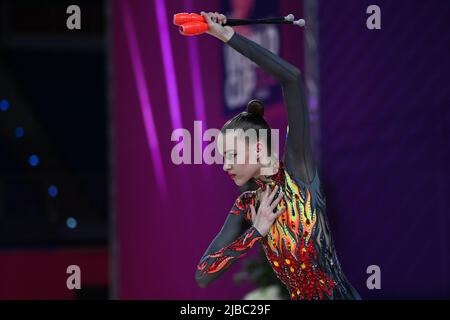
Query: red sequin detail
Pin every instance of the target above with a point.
(302, 278)
(299, 271)
(224, 257)
(278, 178)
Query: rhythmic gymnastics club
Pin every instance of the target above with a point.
(194, 24)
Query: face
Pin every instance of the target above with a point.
(240, 158)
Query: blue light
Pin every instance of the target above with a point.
(4, 105)
(33, 160)
(19, 132)
(71, 223)
(53, 191)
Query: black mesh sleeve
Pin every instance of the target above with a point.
(232, 242)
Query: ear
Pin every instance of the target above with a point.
(259, 147)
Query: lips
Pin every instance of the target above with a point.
(232, 175)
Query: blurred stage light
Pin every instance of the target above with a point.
(4, 105)
(71, 223)
(53, 191)
(33, 160)
(19, 132)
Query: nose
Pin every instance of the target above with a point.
(226, 166)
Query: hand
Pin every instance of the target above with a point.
(215, 26)
(265, 217)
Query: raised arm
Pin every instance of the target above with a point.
(299, 158)
(298, 153)
(231, 243)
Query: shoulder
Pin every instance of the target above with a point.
(301, 190)
(292, 178)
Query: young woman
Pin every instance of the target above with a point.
(287, 213)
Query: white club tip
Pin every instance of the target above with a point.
(289, 17)
(300, 22)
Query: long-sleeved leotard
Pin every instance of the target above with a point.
(299, 245)
(233, 241)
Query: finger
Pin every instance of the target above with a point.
(277, 214)
(265, 195)
(252, 212)
(276, 201)
(224, 18)
(213, 17)
(219, 17)
(268, 190)
(207, 18)
(272, 194)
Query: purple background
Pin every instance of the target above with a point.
(384, 144)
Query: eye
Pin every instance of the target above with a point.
(231, 155)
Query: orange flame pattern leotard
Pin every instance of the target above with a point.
(299, 245)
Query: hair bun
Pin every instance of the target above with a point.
(255, 107)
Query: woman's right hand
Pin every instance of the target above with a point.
(215, 26)
(265, 217)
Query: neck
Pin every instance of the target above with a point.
(264, 177)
